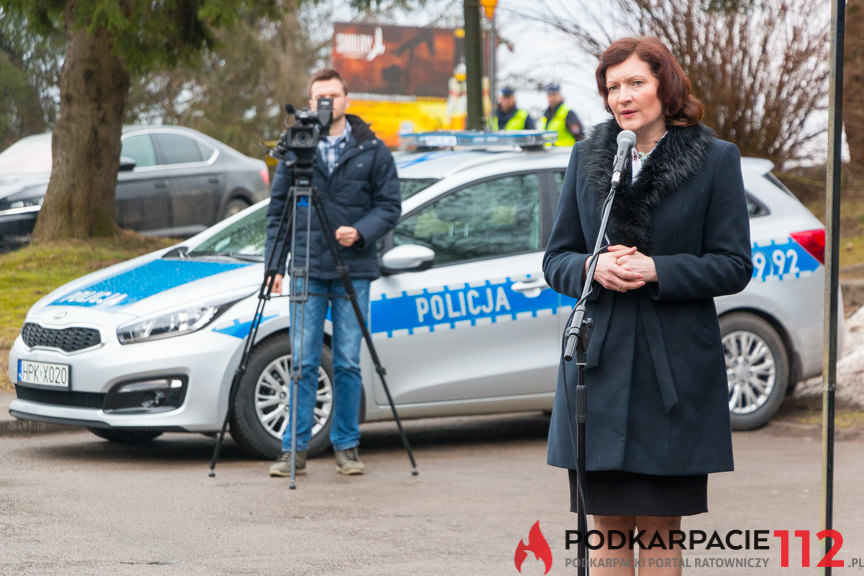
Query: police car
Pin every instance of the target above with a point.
(462, 318)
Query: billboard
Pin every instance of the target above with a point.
(396, 60)
(389, 118)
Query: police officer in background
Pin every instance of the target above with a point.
(560, 118)
(508, 116)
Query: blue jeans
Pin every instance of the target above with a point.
(347, 338)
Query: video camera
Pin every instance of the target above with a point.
(302, 138)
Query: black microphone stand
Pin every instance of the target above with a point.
(577, 337)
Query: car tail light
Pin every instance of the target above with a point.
(813, 241)
(265, 176)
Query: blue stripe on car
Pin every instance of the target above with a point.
(449, 305)
(455, 304)
(142, 282)
(781, 261)
(239, 329)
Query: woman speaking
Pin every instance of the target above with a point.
(678, 235)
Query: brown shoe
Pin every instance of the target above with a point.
(282, 466)
(349, 462)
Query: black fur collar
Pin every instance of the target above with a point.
(677, 157)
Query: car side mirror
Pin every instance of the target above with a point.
(407, 258)
(126, 164)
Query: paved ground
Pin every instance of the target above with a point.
(73, 504)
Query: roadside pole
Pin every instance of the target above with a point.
(489, 12)
(832, 224)
(473, 65)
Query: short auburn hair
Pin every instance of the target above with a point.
(679, 106)
(326, 74)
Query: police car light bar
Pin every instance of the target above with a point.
(477, 139)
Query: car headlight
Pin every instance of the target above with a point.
(28, 198)
(171, 324)
(18, 204)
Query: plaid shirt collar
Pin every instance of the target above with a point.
(331, 147)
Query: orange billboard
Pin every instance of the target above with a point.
(396, 60)
(389, 118)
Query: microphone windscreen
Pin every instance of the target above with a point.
(626, 138)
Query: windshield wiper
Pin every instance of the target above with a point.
(216, 254)
(245, 257)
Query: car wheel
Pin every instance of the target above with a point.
(121, 436)
(234, 206)
(261, 409)
(757, 368)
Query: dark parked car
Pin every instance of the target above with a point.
(173, 181)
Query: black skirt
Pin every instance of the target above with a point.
(616, 493)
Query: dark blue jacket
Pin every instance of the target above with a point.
(362, 191)
(655, 373)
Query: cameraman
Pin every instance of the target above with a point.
(359, 190)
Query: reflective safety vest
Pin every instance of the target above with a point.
(516, 122)
(559, 124)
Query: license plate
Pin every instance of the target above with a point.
(43, 374)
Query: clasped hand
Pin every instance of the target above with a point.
(623, 268)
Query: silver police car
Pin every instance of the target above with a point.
(462, 319)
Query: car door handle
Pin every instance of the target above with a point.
(213, 180)
(530, 288)
(161, 185)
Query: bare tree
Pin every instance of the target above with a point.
(760, 68)
(853, 84)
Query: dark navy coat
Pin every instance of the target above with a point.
(362, 191)
(655, 373)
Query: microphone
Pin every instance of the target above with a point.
(626, 141)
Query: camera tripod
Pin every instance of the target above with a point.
(304, 194)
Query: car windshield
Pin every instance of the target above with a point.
(411, 186)
(28, 155)
(243, 239)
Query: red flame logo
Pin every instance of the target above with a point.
(536, 544)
